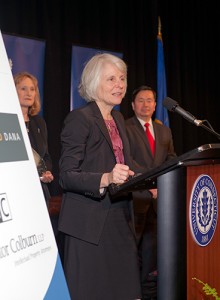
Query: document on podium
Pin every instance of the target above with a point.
(30, 266)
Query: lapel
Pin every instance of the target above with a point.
(101, 123)
(158, 132)
(36, 132)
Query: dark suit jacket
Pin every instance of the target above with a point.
(141, 152)
(38, 139)
(86, 154)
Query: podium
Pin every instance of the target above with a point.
(188, 229)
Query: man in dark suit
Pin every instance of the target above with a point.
(145, 202)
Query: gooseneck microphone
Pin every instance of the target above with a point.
(173, 106)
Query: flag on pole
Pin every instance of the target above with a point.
(161, 115)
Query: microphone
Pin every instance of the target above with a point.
(173, 106)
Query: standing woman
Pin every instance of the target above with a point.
(29, 97)
(100, 257)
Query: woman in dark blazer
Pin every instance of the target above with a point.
(28, 93)
(100, 257)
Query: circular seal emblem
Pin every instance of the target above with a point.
(203, 210)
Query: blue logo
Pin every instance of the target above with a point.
(203, 210)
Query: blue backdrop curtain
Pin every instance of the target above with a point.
(28, 55)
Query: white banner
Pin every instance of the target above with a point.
(30, 267)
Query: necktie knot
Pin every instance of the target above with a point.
(150, 137)
(147, 125)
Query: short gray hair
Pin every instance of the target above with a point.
(92, 73)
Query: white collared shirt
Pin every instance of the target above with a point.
(150, 126)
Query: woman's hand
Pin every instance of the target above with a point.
(154, 193)
(118, 175)
(47, 177)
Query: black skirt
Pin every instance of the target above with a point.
(109, 270)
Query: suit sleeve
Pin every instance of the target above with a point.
(76, 173)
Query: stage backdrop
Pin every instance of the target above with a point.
(80, 55)
(26, 54)
(30, 266)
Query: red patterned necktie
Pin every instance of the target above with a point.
(150, 137)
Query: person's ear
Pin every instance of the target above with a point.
(132, 104)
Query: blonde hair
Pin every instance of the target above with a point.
(92, 73)
(35, 108)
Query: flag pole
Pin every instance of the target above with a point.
(159, 34)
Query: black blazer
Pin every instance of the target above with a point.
(37, 132)
(141, 152)
(38, 138)
(86, 154)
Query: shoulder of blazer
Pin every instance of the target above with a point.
(161, 127)
(133, 121)
(39, 121)
(118, 115)
(90, 109)
(134, 126)
(129, 121)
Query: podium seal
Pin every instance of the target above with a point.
(203, 210)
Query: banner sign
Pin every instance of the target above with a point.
(30, 266)
(80, 56)
(12, 147)
(28, 55)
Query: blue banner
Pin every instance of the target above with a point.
(80, 56)
(25, 54)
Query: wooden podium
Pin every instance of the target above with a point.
(180, 256)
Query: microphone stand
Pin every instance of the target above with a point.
(173, 106)
(211, 130)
